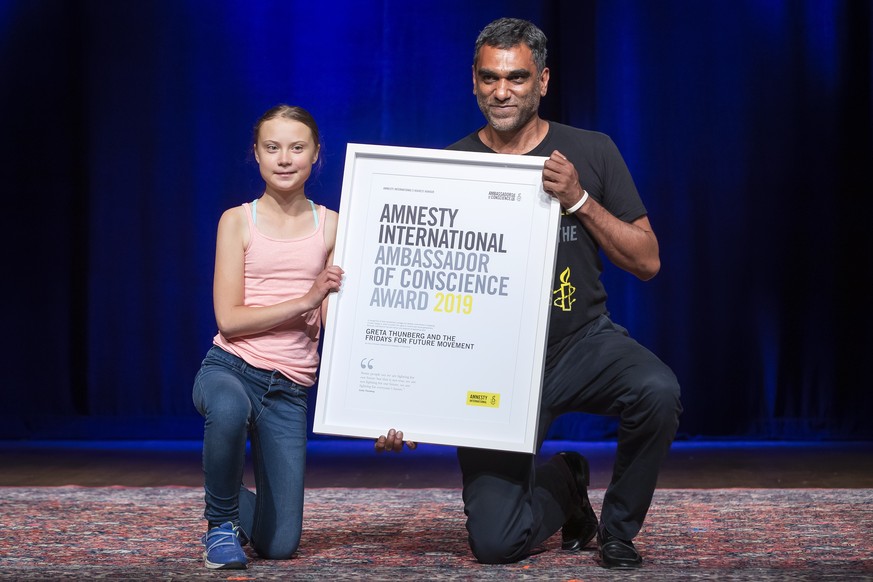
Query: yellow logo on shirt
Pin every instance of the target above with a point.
(565, 292)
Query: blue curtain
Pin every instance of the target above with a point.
(747, 126)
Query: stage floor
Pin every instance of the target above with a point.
(353, 463)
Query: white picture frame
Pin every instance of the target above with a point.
(440, 326)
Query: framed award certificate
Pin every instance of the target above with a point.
(440, 326)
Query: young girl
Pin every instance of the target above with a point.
(273, 274)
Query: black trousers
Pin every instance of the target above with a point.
(513, 505)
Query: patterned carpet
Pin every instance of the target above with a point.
(74, 533)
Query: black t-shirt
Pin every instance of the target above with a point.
(578, 296)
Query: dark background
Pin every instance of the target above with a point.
(126, 132)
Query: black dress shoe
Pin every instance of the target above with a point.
(581, 527)
(616, 553)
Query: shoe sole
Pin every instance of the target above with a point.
(228, 566)
(231, 566)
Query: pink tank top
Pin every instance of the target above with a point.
(276, 270)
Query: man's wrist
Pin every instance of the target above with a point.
(578, 205)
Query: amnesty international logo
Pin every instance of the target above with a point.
(565, 292)
(488, 399)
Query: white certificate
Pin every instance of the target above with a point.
(439, 329)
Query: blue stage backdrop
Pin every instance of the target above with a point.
(126, 133)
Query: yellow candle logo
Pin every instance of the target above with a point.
(565, 292)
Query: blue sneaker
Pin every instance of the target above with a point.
(223, 550)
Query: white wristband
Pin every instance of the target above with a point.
(578, 205)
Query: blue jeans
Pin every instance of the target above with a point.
(239, 401)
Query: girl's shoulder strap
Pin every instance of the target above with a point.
(250, 210)
(314, 213)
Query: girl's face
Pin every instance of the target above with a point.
(285, 153)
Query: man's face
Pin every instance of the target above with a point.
(507, 86)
